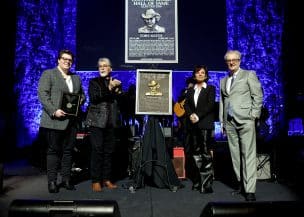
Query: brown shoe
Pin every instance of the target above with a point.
(109, 184)
(96, 186)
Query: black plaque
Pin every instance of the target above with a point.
(70, 103)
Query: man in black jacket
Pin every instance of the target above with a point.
(102, 118)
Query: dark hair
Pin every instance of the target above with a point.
(65, 51)
(199, 67)
(190, 80)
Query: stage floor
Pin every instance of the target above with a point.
(23, 181)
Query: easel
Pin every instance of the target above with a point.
(153, 144)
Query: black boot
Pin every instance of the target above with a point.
(207, 181)
(53, 188)
(206, 190)
(196, 186)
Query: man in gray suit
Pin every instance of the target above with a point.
(241, 99)
(58, 126)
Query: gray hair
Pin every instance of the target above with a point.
(104, 59)
(238, 53)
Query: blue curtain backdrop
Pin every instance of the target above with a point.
(255, 27)
(43, 27)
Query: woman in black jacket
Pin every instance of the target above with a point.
(199, 108)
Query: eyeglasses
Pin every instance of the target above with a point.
(232, 60)
(66, 59)
(100, 66)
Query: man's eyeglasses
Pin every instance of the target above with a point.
(232, 61)
(66, 59)
(100, 66)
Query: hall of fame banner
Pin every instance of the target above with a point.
(147, 42)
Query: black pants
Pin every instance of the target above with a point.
(59, 152)
(103, 145)
(198, 157)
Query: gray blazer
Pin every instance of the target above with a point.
(245, 97)
(50, 88)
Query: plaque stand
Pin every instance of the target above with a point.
(155, 161)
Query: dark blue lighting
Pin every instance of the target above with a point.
(43, 27)
(255, 28)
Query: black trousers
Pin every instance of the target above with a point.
(59, 152)
(103, 145)
(198, 157)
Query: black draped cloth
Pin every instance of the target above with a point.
(156, 166)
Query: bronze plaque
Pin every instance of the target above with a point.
(153, 92)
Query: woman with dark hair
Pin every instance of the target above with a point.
(199, 107)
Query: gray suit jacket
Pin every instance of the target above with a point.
(245, 97)
(50, 88)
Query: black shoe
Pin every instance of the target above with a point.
(208, 190)
(181, 186)
(174, 188)
(53, 188)
(68, 185)
(250, 197)
(196, 187)
(238, 191)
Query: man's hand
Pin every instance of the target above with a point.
(59, 113)
(114, 83)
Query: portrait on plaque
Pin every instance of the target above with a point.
(154, 89)
(153, 92)
(151, 18)
(70, 103)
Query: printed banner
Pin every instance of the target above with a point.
(151, 34)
